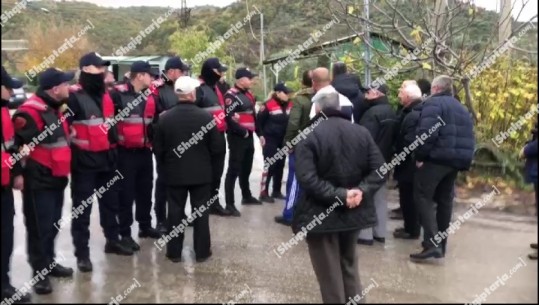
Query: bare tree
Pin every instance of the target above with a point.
(439, 33)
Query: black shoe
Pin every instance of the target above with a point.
(9, 291)
(175, 259)
(233, 211)
(162, 228)
(116, 247)
(397, 210)
(217, 209)
(399, 230)
(404, 235)
(365, 242)
(265, 198)
(533, 246)
(43, 286)
(149, 232)
(61, 271)
(282, 220)
(427, 253)
(130, 243)
(532, 256)
(278, 196)
(84, 265)
(380, 239)
(250, 200)
(203, 259)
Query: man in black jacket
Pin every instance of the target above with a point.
(410, 99)
(446, 128)
(186, 142)
(380, 120)
(331, 176)
(165, 99)
(349, 85)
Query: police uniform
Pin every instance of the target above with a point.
(7, 208)
(135, 160)
(165, 99)
(94, 163)
(240, 119)
(210, 98)
(272, 120)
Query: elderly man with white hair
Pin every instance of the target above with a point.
(337, 196)
(410, 98)
(186, 143)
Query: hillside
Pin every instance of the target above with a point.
(286, 24)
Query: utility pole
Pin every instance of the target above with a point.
(367, 36)
(505, 21)
(262, 55)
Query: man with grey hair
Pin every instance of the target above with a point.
(410, 98)
(446, 130)
(337, 189)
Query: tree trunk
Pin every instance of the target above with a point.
(468, 98)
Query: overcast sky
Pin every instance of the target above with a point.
(529, 11)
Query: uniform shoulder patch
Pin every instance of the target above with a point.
(228, 101)
(262, 108)
(19, 122)
(121, 88)
(75, 88)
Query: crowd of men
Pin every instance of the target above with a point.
(337, 134)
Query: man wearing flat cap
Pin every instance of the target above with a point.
(165, 99)
(186, 143)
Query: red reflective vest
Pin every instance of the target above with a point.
(217, 111)
(54, 152)
(132, 130)
(91, 133)
(274, 108)
(7, 140)
(247, 118)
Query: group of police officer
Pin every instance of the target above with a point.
(107, 131)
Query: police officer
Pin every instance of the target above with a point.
(94, 160)
(39, 123)
(12, 178)
(240, 119)
(135, 160)
(272, 120)
(210, 98)
(165, 98)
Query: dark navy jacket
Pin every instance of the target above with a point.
(448, 127)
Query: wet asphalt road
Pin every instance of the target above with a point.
(245, 269)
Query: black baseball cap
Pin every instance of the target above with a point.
(140, 66)
(93, 59)
(176, 63)
(245, 72)
(214, 63)
(53, 77)
(9, 81)
(281, 87)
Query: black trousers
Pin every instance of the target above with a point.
(42, 211)
(218, 166)
(160, 206)
(409, 209)
(8, 212)
(177, 198)
(335, 263)
(433, 194)
(136, 165)
(240, 163)
(105, 186)
(275, 170)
